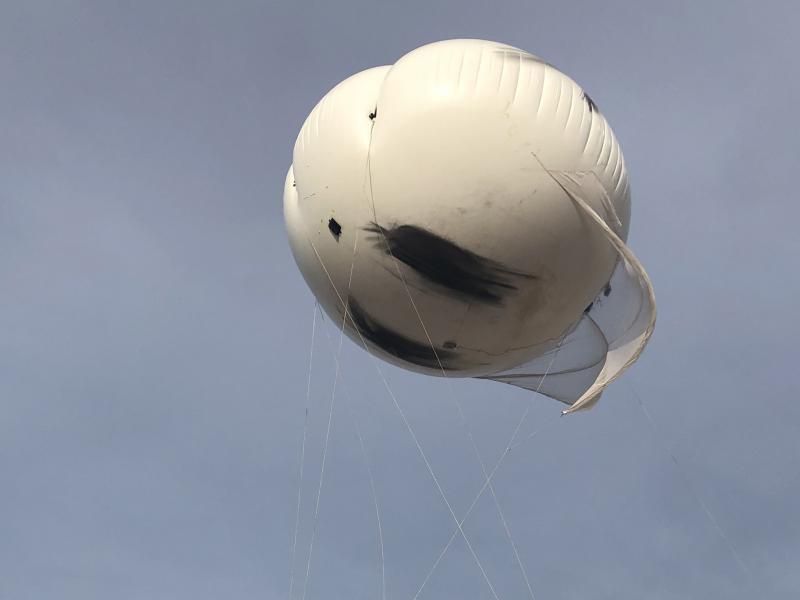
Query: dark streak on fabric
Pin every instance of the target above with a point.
(590, 102)
(440, 261)
(397, 344)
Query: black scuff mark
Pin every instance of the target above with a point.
(444, 263)
(374, 114)
(335, 228)
(401, 346)
(590, 102)
(606, 292)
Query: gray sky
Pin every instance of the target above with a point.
(156, 332)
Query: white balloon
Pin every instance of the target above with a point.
(469, 206)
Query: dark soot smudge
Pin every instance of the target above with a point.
(446, 264)
(335, 228)
(399, 345)
(590, 102)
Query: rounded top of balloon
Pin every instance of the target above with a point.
(463, 212)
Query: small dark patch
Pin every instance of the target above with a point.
(335, 228)
(373, 114)
(607, 290)
(294, 184)
(590, 102)
(445, 264)
(396, 344)
(588, 308)
(449, 345)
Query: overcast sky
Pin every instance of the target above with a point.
(155, 330)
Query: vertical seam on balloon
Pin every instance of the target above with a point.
(438, 75)
(621, 177)
(583, 113)
(458, 77)
(516, 85)
(617, 172)
(590, 130)
(541, 91)
(502, 72)
(558, 101)
(613, 157)
(600, 160)
(478, 70)
(571, 104)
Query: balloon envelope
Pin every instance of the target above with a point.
(464, 212)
